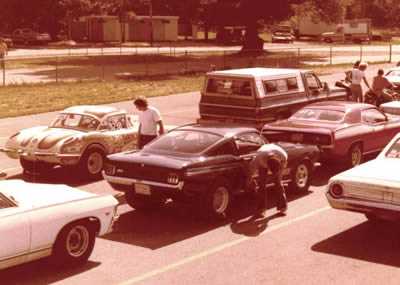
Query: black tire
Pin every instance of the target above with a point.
(92, 162)
(300, 177)
(355, 155)
(74, 244)
(143, 202)
(217, 200)
(35, 166)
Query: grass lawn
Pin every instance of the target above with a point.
(21, 100)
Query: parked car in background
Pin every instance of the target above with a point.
(355, 30)
(29, 36)
(282, 34)
(40, 220)
(344, 131)
(393, 75)
(201, 164)
(79, 136)
(255, 96)
(372, 188)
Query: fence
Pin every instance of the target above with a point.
(133, 63)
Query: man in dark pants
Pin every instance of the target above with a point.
(149, 119)
(269, 158)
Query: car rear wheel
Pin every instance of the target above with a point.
(355, 155)
(143, 202)
(301, 177)
(218, 200)
(74, 244)
(92, 162)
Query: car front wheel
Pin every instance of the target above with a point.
(74, 244)
(301, 177)
(92, 162)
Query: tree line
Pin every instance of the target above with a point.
(53, 16)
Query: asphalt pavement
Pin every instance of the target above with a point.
(312, 244)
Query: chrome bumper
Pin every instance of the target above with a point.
(132, 181)
(37, 155)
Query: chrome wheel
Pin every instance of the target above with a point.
(77, 241)
(301, 176)
(95, 163)
(356, 155)
(220, 200)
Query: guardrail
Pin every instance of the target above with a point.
(134, 63)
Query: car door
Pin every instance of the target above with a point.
(120, 133)
(14, 234)
(380, 131)
(316, 90)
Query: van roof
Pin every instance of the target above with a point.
(257, 72)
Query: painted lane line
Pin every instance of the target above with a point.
(217, 249)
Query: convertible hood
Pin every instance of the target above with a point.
(380, 171)
(151, 159)
(45, 137)
(32, 195)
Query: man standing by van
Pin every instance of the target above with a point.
(149, 119)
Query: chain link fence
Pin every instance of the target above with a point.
(132, 63)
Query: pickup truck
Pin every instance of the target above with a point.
(255, 96)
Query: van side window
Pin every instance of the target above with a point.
(229, 87)
(270, 86)
(312, 81)
(292, 83)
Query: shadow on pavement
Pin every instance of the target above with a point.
(176, 222)
(373, 242)
(41, 272)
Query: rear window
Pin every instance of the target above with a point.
(189, 142)
(230, 87)
(280, 85)
(319, 115)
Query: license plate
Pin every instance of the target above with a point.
(142, 189)
(297, 137)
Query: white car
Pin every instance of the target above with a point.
(80, 136)
(393, 75)
(40, 220)
(372, 188)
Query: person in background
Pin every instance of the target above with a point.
(348, 72)
(149, 120)
(357, 75)
(269, 158)
(379, 84)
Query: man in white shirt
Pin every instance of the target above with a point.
(357, 74)
(149, 120)
(270, 157)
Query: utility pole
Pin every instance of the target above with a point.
(151, 22)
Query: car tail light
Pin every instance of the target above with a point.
(173, 178)
(336, 190)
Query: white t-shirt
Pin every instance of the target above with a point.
(356, 76)
(273, 147)
(148, 121)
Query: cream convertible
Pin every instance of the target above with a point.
(372, 188)
(80, 135)
(39, 220)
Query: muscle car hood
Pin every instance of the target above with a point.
(152, 159)
(303, 126)
(32, 195)
(381, 171)
(43, 137)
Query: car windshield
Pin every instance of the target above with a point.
(319, 115)
(394, 73)
(394, 150)
(189, 142)
(75, 122)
